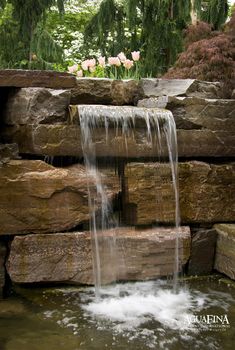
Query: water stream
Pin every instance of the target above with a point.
(159, 126)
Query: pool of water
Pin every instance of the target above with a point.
(143, 315)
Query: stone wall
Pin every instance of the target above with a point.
(44, 207)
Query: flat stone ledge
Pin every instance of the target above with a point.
(36, 78)
(65, 140)
(67, 257)
(179, 87)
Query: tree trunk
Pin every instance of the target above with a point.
(193, 13)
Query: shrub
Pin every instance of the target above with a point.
(210, 59)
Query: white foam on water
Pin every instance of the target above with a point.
(148, 313)
(133, 305)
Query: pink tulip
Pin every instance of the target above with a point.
(88, 63)
(73, 69)
(85, 65)
(92, 69)
(101, 61)
(114, 61)
(91, 63)
(122, 57)
(128, 64)
(80, 73)
(135, 55)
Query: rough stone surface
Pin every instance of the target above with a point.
(201, 260)
(192, 113)
(8, 151)
(36, 197)
(104, 91)
(179, 87)
(205, 143)
(65, 140)
(124, 92)
(225, 249)
(66, 257)
(92, 91)
(3, 252)
(36, 78)
(206, 192)
(36, 105)
(205, 128)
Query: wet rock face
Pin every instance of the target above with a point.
(3, 252)
(205, 128)
(36, 105)
(193, 113)
(205, 192)
(202, 252)
(38, 200)
(225, 249)
(36, 78)
(36, 197)
(148, 254)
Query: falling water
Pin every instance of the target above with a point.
(171, 139)
(159, 124)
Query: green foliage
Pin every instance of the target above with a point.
(108, 23)
(34, 34)
(24, 43)
(11, 47)
(67, 30)
(214, 12)
(153, 26)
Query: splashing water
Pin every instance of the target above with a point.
(159, 125)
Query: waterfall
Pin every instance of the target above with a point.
(159, 126)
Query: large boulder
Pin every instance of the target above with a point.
(205, 192)
(3, 252)
(104, 91)
(67, 257)
(36, 197)
(225, 249)
(36, 105)
(36, 78)
(179, 87)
